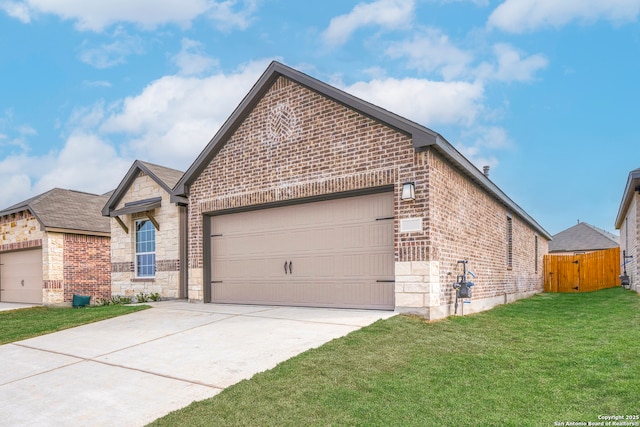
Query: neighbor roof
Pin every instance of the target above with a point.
(66, 210)
(583, 237)
(420, 135)
(633, 185)
(167, 178)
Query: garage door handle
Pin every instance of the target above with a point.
(290, 267)
(285, 267)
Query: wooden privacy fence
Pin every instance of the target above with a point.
(582, 272)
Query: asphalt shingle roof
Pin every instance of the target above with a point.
(66, 209)
(167, 178)
(583, 237)
(167, 175)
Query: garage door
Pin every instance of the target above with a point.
(334, 253)
(21, 276)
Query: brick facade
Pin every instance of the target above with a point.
(70, 263)
(630, 240)
(87, 266)
(296, 143)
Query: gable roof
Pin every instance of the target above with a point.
(166, 178)
(633, 185)
(421, 136)
(66, 211)
(583, 237)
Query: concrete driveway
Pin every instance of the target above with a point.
(4, 306)
(133, 369)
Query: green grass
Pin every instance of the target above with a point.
(550, 358)
(30, 322)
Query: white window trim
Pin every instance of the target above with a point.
(136, 253)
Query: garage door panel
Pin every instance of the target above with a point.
(313, 294)
(21, 276)
(341, 254)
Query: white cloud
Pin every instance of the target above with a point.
(191, 60)
(17, 10)
(174, 117)
(168, 123)
(479, 141)
(96, 83)
(511, 66)
(519, 16)
(227, 17)
(111, 54)
(15, 186)
(15, 140)
(96, 15)
(388, 14)
(86, 163)
(432, 51)
(108, 55)
(432, 103)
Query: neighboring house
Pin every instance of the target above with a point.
(148, 232)
(308, 196)
(582, 238)
(55, 245)
(628, 222)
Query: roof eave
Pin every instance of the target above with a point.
(77, 231)
(421, 136)
(456, 158)
(22, 209)
(126, 182)
(632, 182)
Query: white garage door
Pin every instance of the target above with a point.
(21, 276)
(334, 253)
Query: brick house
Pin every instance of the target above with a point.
(309, 196)
(582, 238)
(148, 233)
(628, 222)
(52, 246)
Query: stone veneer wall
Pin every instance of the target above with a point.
(296, 143)
(123, 276)
(53, 269)
(19, 231)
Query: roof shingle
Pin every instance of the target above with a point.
(67, 210)
(583, 237)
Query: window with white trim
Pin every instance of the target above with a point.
(145, 248)
(509, 242)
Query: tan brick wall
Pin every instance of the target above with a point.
(321, 147)
(167, 279)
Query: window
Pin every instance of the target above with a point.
(145, 249)
(536, 253)
(509, 242)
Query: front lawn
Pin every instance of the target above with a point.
(16, 325)
(553, 358)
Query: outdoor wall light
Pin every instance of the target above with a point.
(408, 191)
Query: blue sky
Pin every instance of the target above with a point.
(546, 92)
